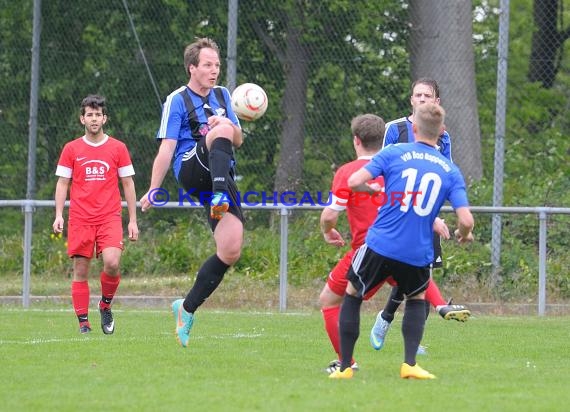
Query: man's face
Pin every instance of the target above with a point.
(93, 119)
(422, 93)
(205, 75)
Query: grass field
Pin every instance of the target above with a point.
(240, 361)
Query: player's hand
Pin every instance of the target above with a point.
(145, 201)
(58, 225)
(375, 187)
(332, 237)
(441, 228)
(213, 121)
(133, 231)
(462, 239)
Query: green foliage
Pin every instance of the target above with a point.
(359, 62)
(179, 244)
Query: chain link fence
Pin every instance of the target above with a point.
(320, 62)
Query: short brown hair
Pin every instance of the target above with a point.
(192, 51)
(429, 119)
(93, 101)
(369, 128)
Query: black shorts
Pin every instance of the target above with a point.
(368, 269)
(437, 255)
(195, 178)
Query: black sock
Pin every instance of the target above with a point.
(413, 328)
(207, 280)
(349, 328)
(83, 318)
(220, 163)
(396, 299)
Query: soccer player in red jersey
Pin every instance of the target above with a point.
(92, 165)
(368, 132)
(361, 210)
(400, 241)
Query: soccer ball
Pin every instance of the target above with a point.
(249, 101)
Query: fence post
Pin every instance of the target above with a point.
(28, 223)
(500, 125)
(284, 230)
(32, 143)
(542, 216)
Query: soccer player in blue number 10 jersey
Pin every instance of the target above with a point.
(418, 180)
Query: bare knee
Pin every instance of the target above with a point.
(229, 255)
(111, 266)
(328, 298)
(222, 131)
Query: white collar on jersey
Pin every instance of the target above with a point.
(90, 143)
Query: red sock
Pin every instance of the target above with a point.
(330, 316)
(433, 295)
(80, 298)
(109, 285)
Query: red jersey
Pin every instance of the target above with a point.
(360, 211)
(94, 170)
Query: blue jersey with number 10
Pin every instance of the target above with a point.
(418, 181)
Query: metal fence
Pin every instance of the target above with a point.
(320, 66)
(500, 64)
(542, 214)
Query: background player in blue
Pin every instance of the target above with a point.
(199, 130)
(423, 90)
(418, 180)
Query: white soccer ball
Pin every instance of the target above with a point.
(249, 101)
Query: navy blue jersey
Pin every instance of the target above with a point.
(418, 180)
(400, 131)
(185, 118)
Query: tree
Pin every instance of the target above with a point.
(547, 42)
(294, 61)
(441, 47)
(334, 61)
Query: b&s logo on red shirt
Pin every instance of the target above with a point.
(95, 170)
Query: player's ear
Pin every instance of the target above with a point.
(82, 119)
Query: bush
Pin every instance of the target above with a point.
(178, 245)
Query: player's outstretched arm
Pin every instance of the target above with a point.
(357, 181)
(159, 169)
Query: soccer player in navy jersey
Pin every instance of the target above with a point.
(200, 131)
(418, 180)
(423, 90)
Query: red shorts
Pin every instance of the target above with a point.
(82, 240)
(337, 280)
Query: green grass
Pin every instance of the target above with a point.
(254, 361)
